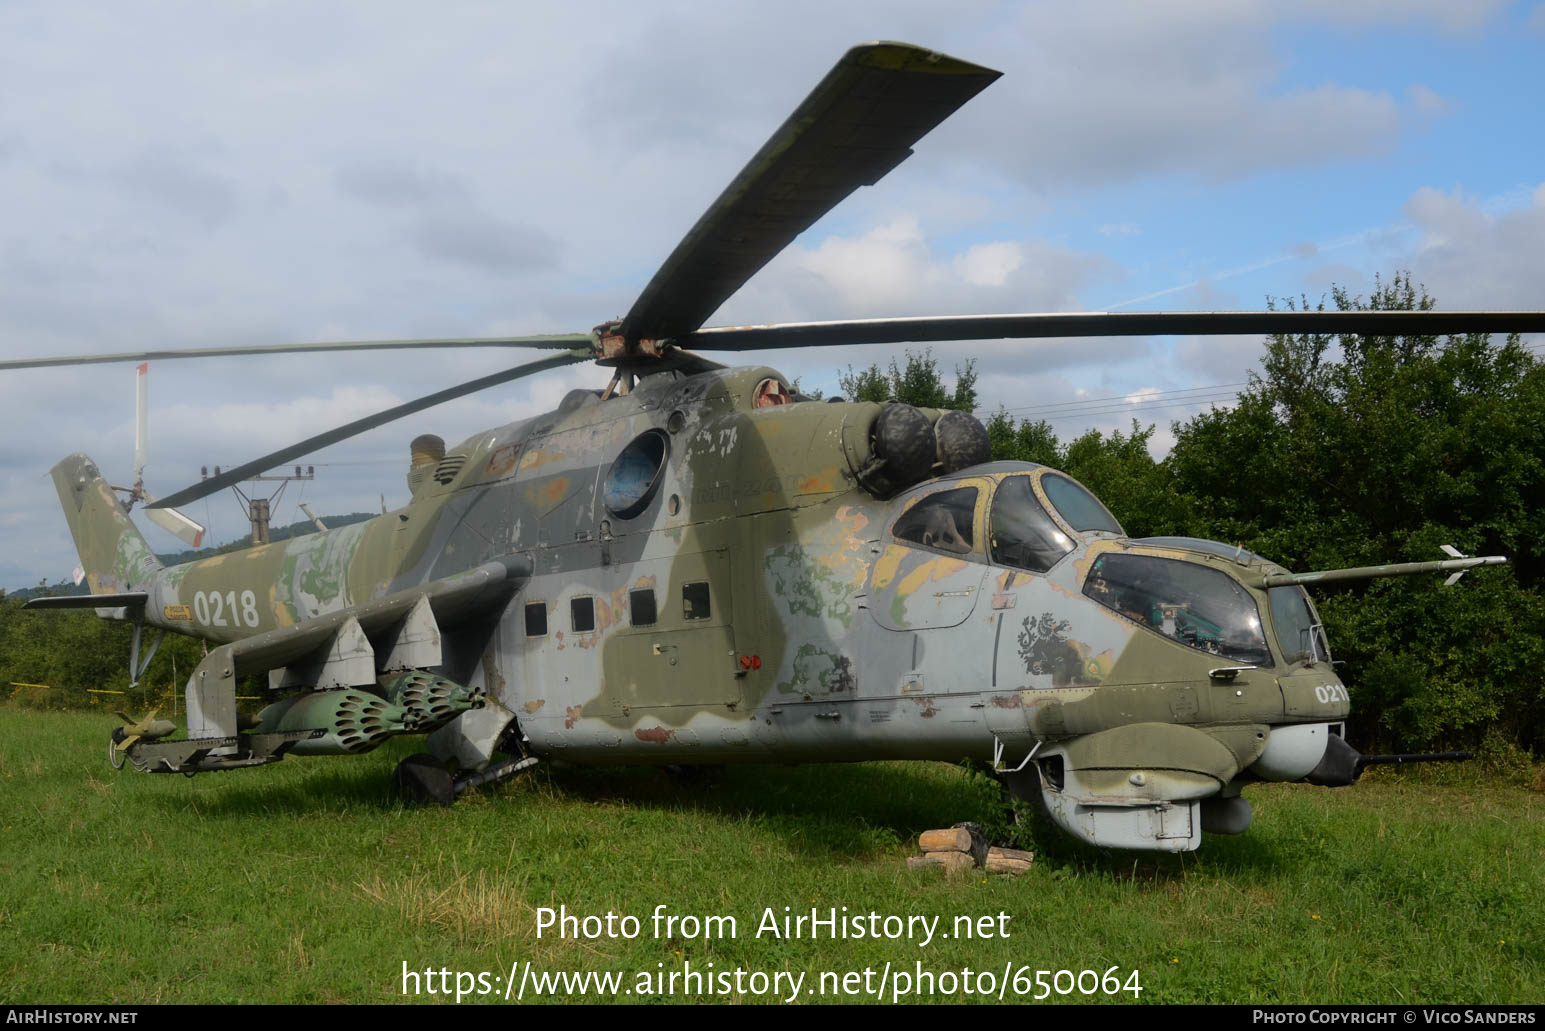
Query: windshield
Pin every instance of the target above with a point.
(1081, 509)
(1021, 534)
(1199, 607)
(1298, 631)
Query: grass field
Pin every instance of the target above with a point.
(304, 882)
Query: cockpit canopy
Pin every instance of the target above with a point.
(1202, 608)
(1295, 624)
(1028, 517)
(1025, 519)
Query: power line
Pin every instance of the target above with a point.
(1140, 407)
(1133, 398)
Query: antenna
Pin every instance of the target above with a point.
(260, 509)
(313, 516)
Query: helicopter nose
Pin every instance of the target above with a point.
(1293, 752)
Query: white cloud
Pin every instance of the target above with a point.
(989, 264)
(879, 271)
(1472, 255)
(898, 268)
(1106, 92)
(1145, 394)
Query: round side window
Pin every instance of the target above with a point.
(635, 475)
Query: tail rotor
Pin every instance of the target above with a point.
(168, 519)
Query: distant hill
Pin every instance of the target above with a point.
(275, 533)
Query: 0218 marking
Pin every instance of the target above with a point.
(1327, 693)
(209, 608)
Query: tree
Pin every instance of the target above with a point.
(918, 384)
(1354, 450)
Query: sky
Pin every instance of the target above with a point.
(203, 175)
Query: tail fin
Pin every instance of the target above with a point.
(114, 555)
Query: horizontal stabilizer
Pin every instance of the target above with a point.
(133, 599)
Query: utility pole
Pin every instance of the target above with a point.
(258, 509)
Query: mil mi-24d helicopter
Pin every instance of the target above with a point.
(697, 565)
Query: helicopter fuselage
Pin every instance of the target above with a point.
(709, 583)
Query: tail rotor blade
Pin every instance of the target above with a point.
(174, 522)
(141, 421)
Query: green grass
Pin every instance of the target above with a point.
(304, 882)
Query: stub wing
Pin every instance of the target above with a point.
(349, 647)
(442, 625)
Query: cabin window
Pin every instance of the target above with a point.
(641, 605)
(944, 521)
(582, 614)
(536, 619)
(634, 477)
(694, 601)
(1299, 633)
(1020, 533)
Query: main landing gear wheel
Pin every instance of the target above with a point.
(116, 756)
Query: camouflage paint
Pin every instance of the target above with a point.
(824, 636)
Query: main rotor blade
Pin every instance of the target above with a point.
(370, 422)
(560, 342)
(856, 125)
(929, 329)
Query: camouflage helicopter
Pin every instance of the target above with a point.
(697, 565)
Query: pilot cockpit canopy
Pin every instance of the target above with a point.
(1029, 516)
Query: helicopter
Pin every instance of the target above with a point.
(697, 565)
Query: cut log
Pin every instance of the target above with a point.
(1011, 853)
(956, 839)
(953, 863)
(1008, 860)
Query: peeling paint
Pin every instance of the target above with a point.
(825, 481)
(547, 494)
(502, 462)
(535, 458)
